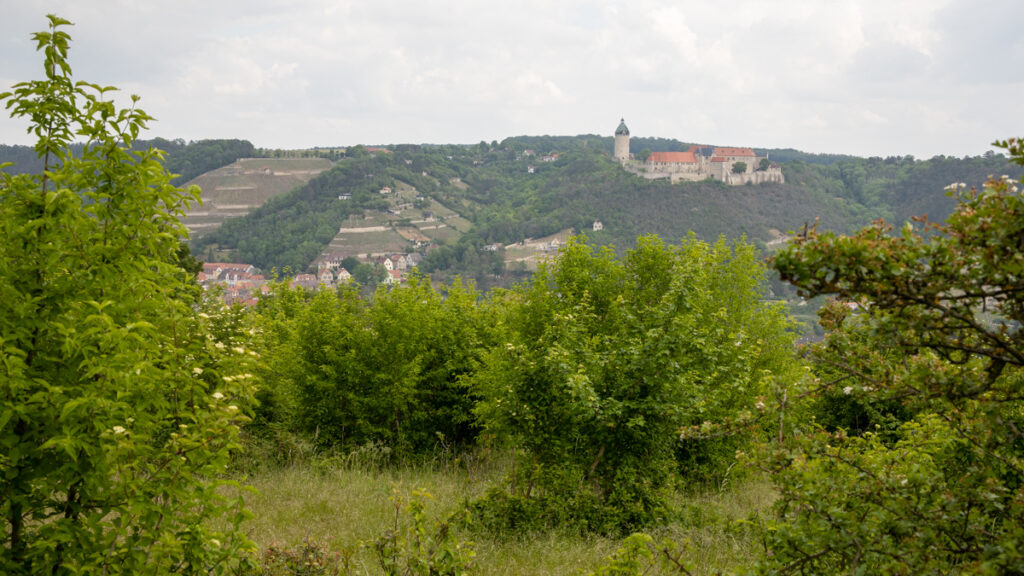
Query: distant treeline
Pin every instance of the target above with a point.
(190, 159)
(533, 186)
(187, 159)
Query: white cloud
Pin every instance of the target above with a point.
(859, 76)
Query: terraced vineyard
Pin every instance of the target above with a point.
(240, 187)
(411, 220)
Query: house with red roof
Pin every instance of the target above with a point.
(394, 277)
(307, 281)
(239, 282)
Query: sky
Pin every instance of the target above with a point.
(863, 77)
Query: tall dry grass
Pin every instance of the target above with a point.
(345, 506)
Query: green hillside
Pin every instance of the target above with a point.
(523, 188)
(293, 229)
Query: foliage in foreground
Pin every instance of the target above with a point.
(117, 409)
(590, 372)
(412, 546)
(640, 556)
(411, 543)
(606, 359)
(352, 373)
(936, 328)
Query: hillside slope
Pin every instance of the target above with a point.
(533, 187)
(247, 183)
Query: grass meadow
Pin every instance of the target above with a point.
(342, 507)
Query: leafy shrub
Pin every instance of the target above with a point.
(120, 400)
(935, 333)
(544, 499)
(307, 559)
(639, 556)
(415, 549)
(862, 504)
(349, 374)
(606, 360)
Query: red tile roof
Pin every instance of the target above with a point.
(734, 152)
(673, 157)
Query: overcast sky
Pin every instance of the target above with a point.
(865, 77)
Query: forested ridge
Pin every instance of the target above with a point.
(185, 160)
(492, 186)
(519, 189)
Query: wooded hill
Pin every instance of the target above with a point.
(529, 187)
(184, 159)
(534, 186)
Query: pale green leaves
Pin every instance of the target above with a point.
(111, 434)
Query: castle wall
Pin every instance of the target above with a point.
(771, 175)
(700, 163)
(673, 167)
(720, 169)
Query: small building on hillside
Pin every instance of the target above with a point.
(307, 281)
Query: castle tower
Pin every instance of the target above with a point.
(622, 141)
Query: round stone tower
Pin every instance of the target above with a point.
(622, 142)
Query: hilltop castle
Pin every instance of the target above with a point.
(730, 165)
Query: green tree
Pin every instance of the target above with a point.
(606, 360)
(368, 276)
(118, 405)
(388, 372)
(739, 167)
(763, 165)
(349, 263)
(424, 343)
(929, 318)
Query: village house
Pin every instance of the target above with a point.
(238, 283)
(326, 277)
(394, 277)
(330, 260)
(307, 281)
(227, 272)
(394, 262)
